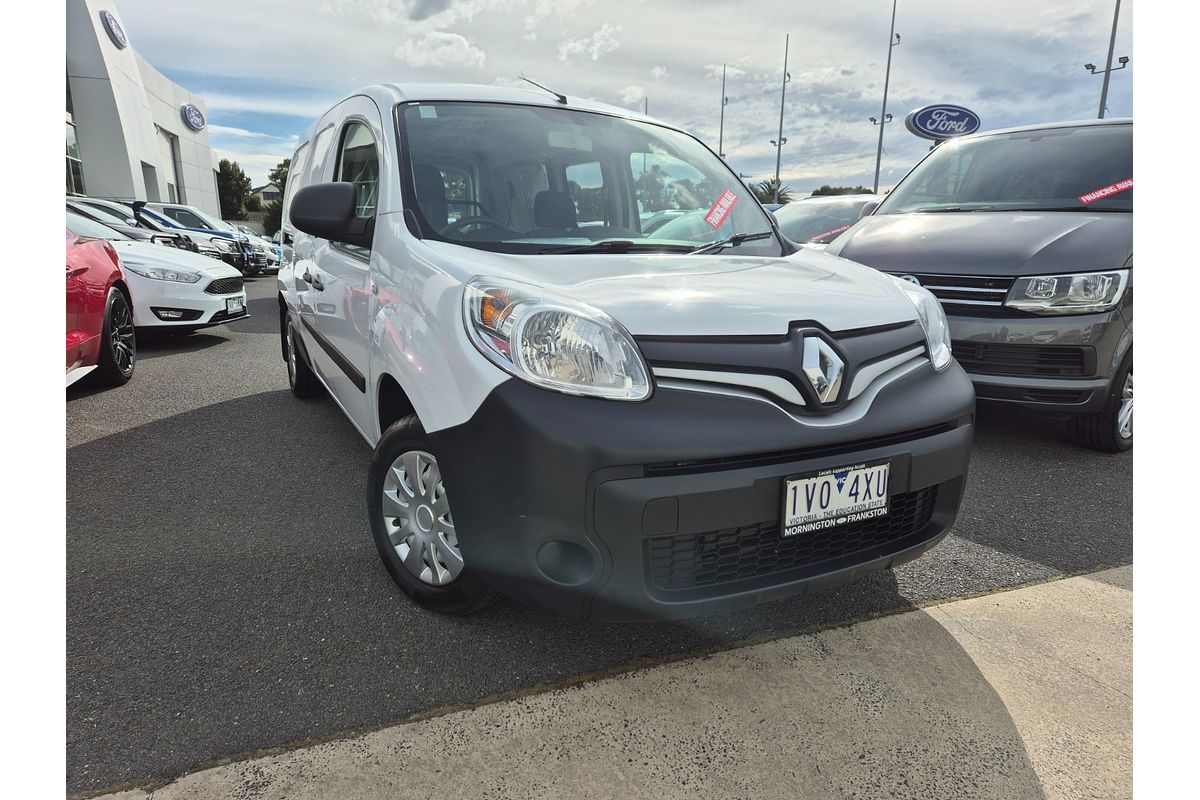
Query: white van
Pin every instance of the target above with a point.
(582, 415)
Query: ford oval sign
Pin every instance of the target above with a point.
(943, 121)
(192, 117)
(114, 29)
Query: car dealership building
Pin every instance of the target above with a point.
(131, 133)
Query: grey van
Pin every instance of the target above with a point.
(1026, 237)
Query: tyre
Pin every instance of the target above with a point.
(412, 525)
(301, 379)
(1110, 430)
(118, 343)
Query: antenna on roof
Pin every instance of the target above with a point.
(562, 98)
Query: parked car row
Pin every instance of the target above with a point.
(120, 285)
(187, 227)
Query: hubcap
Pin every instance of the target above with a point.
(121, 336)
(417, 515)
(1125, 414)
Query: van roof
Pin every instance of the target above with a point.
(1081, 123)
(389, 94)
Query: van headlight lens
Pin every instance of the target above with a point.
(1083, 293)
(933, 320)
(160, 273)
(553, 342)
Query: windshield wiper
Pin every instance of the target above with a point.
(730, 241)
(1086, 209)
(616, 246)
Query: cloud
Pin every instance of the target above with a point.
(1013, 63)
(632, 94)
(594, 47)
(441, 49)
(242, 133)
(658, 73)
(731, 71)
(546, 10)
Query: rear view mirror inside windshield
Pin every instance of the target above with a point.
(569, 140)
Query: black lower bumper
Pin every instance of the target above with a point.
(671, 508)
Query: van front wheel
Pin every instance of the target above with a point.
(412, 524)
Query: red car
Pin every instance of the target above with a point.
(99, 314)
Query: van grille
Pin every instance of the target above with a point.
(691, 561)
(991, 358)
(969, 295)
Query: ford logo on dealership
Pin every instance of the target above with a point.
(114, 29)
(942, 121)
(192, 117)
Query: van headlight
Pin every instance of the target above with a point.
(933, 320)
(224, 245)
(553, 342)
(160, 273)
(1083, 293)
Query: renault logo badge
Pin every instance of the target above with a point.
(910, 279)
(823, 368)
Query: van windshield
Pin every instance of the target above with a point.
(531, 179)
(1088, 168)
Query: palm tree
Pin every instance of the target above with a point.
(766, 191)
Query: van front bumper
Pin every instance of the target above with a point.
(671, 507)
(1042, 363)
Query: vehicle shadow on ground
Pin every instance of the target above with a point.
(1033, 494)
(156, 345)
(223, 599)
(895, 708)
(224, 595)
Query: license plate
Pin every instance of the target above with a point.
(234, 305)
(835, 497)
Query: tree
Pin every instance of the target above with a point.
(233, 187)
(274, 217)
(828, 190)
(770, 191)
(253, 203)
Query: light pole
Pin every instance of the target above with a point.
(893, 40)
(721, 130)
(782, 95)
(1108, 67)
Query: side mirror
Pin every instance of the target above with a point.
(327, 211)
(868, 209)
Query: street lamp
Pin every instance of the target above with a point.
(1108, 67)
(893, 40)
(787, 76)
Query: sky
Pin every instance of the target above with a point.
(267, 68)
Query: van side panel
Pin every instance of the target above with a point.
(417, 333)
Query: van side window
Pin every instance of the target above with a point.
(358, 163)
(294, 179)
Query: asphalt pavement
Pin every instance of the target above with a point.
(224, 597)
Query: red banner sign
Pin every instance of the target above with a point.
(1107, 191)
(827, 235)
(719, 212)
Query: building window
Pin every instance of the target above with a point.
(74, 163)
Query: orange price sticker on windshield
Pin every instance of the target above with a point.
(1107, 191)
(719, 212)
